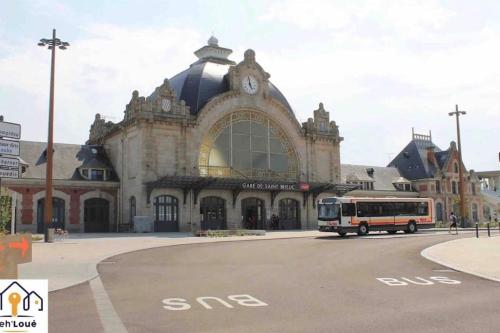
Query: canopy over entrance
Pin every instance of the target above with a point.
(236, 185)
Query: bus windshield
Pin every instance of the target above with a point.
(328, 211)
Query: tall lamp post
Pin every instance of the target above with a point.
(457, 114)
(51, 44)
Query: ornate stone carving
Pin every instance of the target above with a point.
(249, 66)
(321, 124)
(99, 128)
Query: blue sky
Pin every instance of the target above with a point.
(380, 67)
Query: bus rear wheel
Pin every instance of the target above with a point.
(362, 230)
(412, 228)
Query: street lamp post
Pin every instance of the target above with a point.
(51, 44)
(457, 114)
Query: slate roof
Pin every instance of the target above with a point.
(413, 163)
(383, 177)
(204, 80)
(67, 158)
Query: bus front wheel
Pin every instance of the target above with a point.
(362, 230)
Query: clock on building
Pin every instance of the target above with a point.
(250, 84)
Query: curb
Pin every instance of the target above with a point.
(425, 253)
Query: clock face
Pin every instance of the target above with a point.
(250, 84)
(166, 105)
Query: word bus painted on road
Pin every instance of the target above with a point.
(393, 282)
(362, 215)
(209, 302)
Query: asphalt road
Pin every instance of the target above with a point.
(326, 284)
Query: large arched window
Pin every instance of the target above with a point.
(247, 144)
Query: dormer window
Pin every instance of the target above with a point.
(97, 174)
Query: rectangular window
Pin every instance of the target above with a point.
(97, 174)
(422, 209)
(438, 186)
(259, 143)
(473, 189)
(348, 209)
(259, 160)
(279, 162)
(454, 187)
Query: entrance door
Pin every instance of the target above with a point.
(213, 213)
(96, 215)
(289, 214)
(252, 210)
(58, 212)
(166, 208)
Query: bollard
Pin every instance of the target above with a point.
(477, 230)
(488, 226)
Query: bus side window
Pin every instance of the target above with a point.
(348, 209)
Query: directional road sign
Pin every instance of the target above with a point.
(9, 167)
(10, 130)
(9, 147)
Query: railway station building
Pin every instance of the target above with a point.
(216, 146)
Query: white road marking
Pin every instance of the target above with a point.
(180, 304)
(110, 320)
(403, 281)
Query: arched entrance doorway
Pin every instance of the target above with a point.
(58, 214)
(252, 210)
(166, 213)
(96, 215)
(213, 213)
(289, 217)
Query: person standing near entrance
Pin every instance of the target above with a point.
(453, 223)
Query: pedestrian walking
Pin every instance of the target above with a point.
(453, 223)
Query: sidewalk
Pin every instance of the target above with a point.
(477, 256)
(74, 260)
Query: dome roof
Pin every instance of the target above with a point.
(206, 79)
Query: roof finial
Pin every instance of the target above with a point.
(212, 41)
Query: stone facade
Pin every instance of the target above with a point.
(162, 136)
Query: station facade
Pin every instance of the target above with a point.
(217, 146)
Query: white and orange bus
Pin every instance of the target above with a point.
(362, 215)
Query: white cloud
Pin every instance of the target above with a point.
(97, 74)
(405, 17)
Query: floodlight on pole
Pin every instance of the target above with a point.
(51, 44)
(457, 114)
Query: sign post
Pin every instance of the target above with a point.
(9, 165)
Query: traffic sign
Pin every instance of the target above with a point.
(9, 147)
(10, 130)
(9, 167)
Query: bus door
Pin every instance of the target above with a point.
(348, 213)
